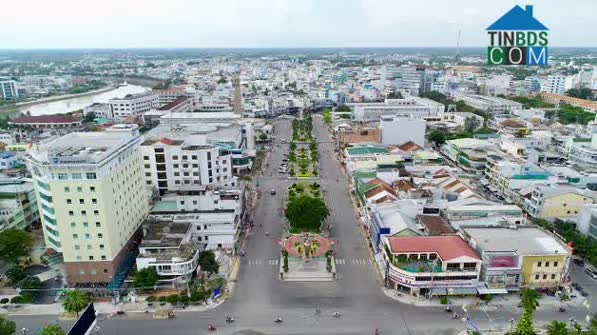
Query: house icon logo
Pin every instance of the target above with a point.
(517, 38)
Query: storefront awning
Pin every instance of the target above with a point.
(462, 291)
(486, 290)
(438, 291)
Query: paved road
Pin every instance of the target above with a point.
(260, 296)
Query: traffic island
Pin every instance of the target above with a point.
(307, 257)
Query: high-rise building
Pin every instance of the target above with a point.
(92, 200)
(238, 100)
(554, 84)
(8, 90)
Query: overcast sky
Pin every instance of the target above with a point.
(277, 23)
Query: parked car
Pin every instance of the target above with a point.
(273, 191)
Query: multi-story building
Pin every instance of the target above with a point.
(469, 153)
(420, 108)
(558, 201)
(398, 130)
(167, 247)
(133, 105)
(99, 110)
(168, 95)
(18, 204)
(583, 152)
(8, 90)
(475, 212)
(554, 84)
(522, 256)
(172, 165)
(431, 265)
(215, 216)
(92, 200)
(587, 221)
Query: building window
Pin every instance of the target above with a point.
(79, 189)
(91, 175)
(90, 258)
(96, 212)
(71, 213)
(175, 157)
(62, 176)
(81, 272)
(546, 264)
(72, 225)
(553, 276)
(100, 235)
(101, 246)
(77, 247)
(92, 189)
(75, 236)
(147, 174)
(97, 224)
(94, 201)
(555, 264)
(81, 201)
(83, 213)
(67, 190)
(77, 176)
(85, 224)
(87, 236)
(89, 247)
(145, 158)
(538, 264)
(69, 201)
(105, 270)
(194, 157)
(78, 257)
(536, 277)
(103, 259)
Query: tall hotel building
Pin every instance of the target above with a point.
(92, 200)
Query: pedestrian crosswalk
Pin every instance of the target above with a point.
(338, 261)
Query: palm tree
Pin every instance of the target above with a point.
(75, 301)
(557, 328)
(530, 299)
(52, 329)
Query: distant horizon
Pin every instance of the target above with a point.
(275, 48)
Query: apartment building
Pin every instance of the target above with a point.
(172, 165)
(420, 108)
(8, 90)
(558, 201)
(92, 200)
(554, 84)
(169, 95)
(133, 105)
(18, 204)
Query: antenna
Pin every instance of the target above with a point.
(457, 58)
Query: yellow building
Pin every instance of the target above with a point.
(551, 202)
(546, 271)
(92, 200)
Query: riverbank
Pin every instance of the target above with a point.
(108, 88)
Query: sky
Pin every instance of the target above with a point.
(278, 23)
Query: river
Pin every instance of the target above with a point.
(73, 104)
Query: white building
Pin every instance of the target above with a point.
(487, 103)
(398, 130)
(172, 165)
(133, 105)
(554, 84)
(414, 107)
(99, 109)
(92, 200)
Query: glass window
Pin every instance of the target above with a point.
(89, 247)
(75, 236)
(103, 259)
(92, 189)
(71, 213)
(85, 224)
(96, 212)
(67, 189)
(94, 201)
(97, 224)
(62, 176)
(546, 264)
(81, 201)
(76, 176)
(101, 246)
(536, 277)
(77, 247)
(72, 224)
(538, 264)
(79, 189)
(90, 258)
(175, 157)
(83, 212)
(87, 236)
(555, 264)
(100, 235)
(69, 201)
(91, 175)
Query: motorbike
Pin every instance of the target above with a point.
(562, 309)
(448, 310)
(336, 314)
(278, 320)
(211, 328)
(171, 316)
(229, 319)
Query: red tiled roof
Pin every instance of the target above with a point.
(410, 146)
(173, 104)
(446, 246)
(47, 119)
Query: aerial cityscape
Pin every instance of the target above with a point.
(246, 176)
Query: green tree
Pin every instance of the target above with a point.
(557, 328)
(262, 137)
(327, 116)
(89, 117)
(208, 263)
(582, 93)
(75, 301)
(14, 244)
(438, 137)
(7, 327)
(306, 213)
(52, 329)
(530, 302)
(15, 274)
(146, 279)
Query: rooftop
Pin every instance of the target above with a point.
(527, 240)
(448, 247)
(366, 150)
(46, 119)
